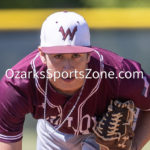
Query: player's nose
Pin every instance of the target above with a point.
(68, 65)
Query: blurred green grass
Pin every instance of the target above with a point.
(73, 3)
(29, 140)
(29, 133)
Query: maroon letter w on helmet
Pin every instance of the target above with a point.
(68, 32)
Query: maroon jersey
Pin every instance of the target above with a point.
(22, 93)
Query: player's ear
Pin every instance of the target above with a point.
(42, 56)
(88, 57)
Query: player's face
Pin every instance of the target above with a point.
(67, 70)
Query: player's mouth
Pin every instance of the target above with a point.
(68, 79)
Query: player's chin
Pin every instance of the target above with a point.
(72, 82)
(69, 84)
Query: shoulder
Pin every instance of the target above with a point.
(18, 83)
(23, 72)
(26, 62)
(110, 59)
(113, 60)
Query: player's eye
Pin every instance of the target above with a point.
(58, 56)
(76, 55)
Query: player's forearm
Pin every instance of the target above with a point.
(142, 131)
(11, 146)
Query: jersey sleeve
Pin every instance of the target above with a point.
(14, 104)
(134, 84)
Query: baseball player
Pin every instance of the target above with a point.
(84, 97)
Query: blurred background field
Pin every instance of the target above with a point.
(120, 26)
(74, 3)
